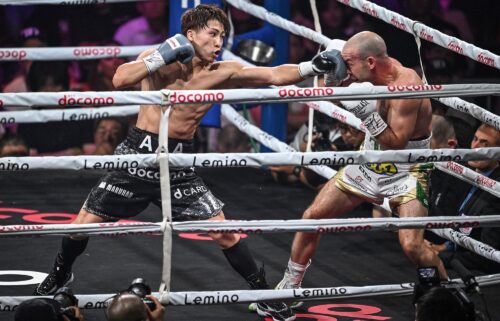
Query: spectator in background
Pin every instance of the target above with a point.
(29, 37)
(332, 17)
(108, 133)
(477, 202)
(13, 146)
(106, 18)
(59, 137)
(98, 74)
(151, 27)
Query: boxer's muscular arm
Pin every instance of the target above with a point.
(131, 73)
(401, 119)
(266, 76)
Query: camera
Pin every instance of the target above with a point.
(322, 142)
(140, 288)
(430, 294)
(65, 297)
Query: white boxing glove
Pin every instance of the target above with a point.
(366, 110)
(331, 78)
(360, 108)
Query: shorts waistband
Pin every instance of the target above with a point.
(146, 142)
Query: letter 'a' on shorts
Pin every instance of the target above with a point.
(125, 193)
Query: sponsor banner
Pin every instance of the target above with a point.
(207, 160)
(282, 94)
(255, 226)
(469, 243)
(470, 176)
(67, 114)
(69, 53)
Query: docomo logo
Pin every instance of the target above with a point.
(483, 180)
(398, 24)
(97, 52)
(339, 116)
(367, 9)
(454, 46)
(85, 101)
(457, 168)
(196, 97)
(483, 57)
(431, 225)
(305, 92)
(424, 35)
(16, 54)
(393, 88)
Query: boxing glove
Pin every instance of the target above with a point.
(328, 61)
(360, 108)
(335, 78)
(366, 110)
(176, 48)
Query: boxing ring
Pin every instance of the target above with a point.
(126, 104)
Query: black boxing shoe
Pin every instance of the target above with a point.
(278, 311)
(57, 278)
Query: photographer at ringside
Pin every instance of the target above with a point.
(135, 304)
(62, 307)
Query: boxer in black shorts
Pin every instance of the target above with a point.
(125, 193)
(185, 61)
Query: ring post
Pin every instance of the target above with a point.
(274, 117)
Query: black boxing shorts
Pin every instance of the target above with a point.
(125, 193)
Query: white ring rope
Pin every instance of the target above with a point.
(70, 53)
(256, 226)
(453, 102)
(66, 114)
(282, 94)
(470, 176)
(469, 243)
(96, 301)
(213, 160)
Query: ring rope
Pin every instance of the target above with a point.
(171, 97)
(66, 114)
(469, 243)
(217, 160)
(97, 301)
(255, 226)
(70, 53)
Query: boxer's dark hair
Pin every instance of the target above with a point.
(198, 18)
